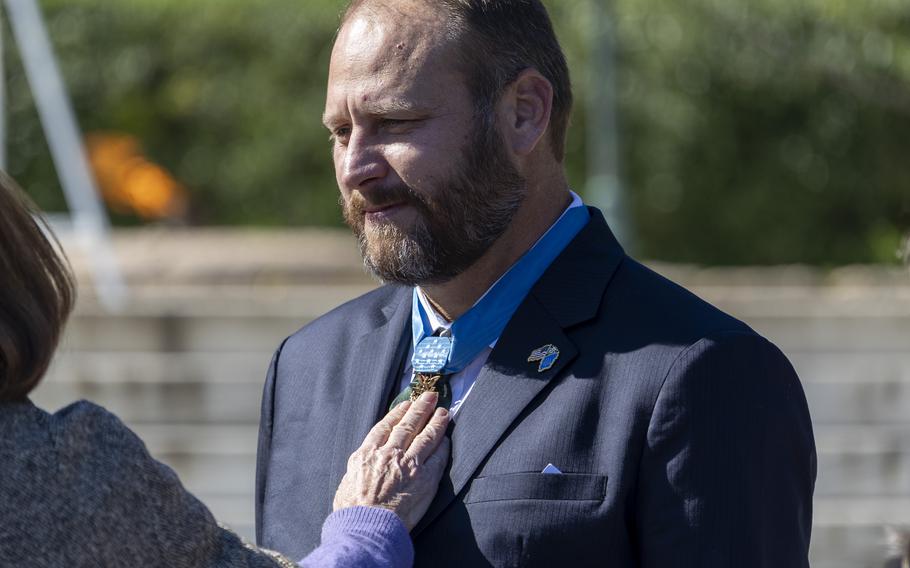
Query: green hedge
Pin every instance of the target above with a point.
(752, 131)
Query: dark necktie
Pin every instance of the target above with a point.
(422, 382)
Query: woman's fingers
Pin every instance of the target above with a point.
(400, 462)
(421, 486)
(427, 441)
(439, 458)
(404, 432)
(380, 433)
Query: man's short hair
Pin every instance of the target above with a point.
(499, 39)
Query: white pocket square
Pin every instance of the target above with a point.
(551, 469)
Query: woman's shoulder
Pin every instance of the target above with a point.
(131, 498)
(97, 453)
(86, 427)
(78, 429)
(87, 417)
(91, 442)
(81, 483)
(94, 447)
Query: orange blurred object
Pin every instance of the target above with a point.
(129, 182)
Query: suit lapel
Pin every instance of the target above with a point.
(375, 365)
(569, 293)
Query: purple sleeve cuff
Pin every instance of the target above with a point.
(363, 536)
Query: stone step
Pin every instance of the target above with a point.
(180, 333)
(863, 475)
(219, 439)
(859, 473)
(186, 401)
(211, 315)
(884, 402)
(839, 366)
(833, 545)
(107, 369)
(185, 361)
(849, 334)
(235, 511)
(862, 511)
(862, 439)
(846, 546)
(202, 440)
(217, 463)
(249, 363)
(868, 462)
(226, 385)
(230, 331)
(872, 476)
(848, 533)
(237, 400)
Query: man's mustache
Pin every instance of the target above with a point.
(379, 198)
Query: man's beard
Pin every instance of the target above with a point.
(454, 228)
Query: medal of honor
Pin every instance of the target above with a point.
(431, 354)
(423, 383)
(430, 357)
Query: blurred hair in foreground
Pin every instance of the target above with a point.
(899, 547)
(36, 294)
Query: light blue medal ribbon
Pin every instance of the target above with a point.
(483, 323)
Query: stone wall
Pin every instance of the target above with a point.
(183, 363)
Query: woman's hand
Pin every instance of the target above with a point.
(400, 463)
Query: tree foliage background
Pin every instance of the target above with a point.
(751, 131)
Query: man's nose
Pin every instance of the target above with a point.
(363, 164)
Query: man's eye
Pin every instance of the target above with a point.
(340, 135)
(397, 123)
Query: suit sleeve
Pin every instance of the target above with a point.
(265, 439)
(728, 469)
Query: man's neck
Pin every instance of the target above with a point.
(537, 214)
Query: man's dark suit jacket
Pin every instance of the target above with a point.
(683, 436)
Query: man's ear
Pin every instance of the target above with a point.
(525, 109)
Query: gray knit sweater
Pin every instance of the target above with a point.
(79, 489)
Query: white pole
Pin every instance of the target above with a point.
(2, 99)
(605, 189)
(59, 121)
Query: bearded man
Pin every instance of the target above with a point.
(601, 414)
